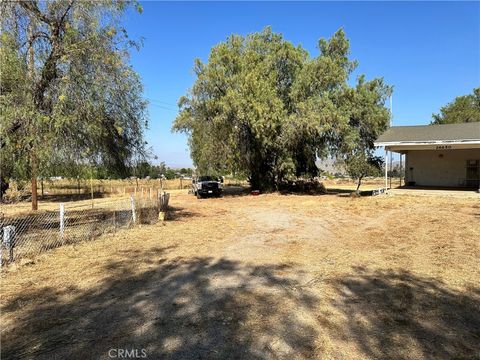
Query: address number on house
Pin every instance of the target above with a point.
(443, 147)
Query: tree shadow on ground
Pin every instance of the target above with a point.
(236, 190)
(177, 213)
(348, 192)
(71, 197)
(399, 315)
(218, 308)
(177, 309)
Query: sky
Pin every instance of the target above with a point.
(429, 51)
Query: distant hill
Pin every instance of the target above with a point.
(330, 165)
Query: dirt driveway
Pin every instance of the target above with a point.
(267, 277)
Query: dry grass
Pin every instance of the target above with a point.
(104, 202)
(111, 191)
(109, 187)
(270, 276)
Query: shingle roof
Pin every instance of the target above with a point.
(426, 133)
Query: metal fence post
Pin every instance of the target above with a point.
(9, 240)
(134, 215)
(62, 221)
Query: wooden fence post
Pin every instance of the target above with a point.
(163, 206)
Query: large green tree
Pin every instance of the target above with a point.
(463, 109)
(265, 108)
(69, 96)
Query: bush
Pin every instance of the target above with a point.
(313, 187)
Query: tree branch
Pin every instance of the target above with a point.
(62, 18)
(37, 35)
(32, 8)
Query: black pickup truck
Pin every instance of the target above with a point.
(204, 186)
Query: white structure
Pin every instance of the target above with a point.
(436, 155)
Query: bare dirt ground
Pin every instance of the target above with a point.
(260, 277)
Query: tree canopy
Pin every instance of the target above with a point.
(69, 96)
(264, 108)
(463, 109)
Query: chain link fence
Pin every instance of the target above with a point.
(30, 234)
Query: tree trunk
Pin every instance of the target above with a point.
(34, 191)
(359, 183)
(4, 185)
(261, 180)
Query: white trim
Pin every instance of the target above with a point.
(386, 169)
(432, 142)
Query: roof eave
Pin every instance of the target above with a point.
(432, 142)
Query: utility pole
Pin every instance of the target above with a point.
(33, 157)
(391, 110)
(391, 152)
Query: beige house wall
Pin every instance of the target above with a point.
(438, 167)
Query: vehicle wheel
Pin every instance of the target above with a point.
(199, 196)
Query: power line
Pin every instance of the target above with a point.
(161, 102)
(163, 107)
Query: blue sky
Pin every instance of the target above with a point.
(429, 51)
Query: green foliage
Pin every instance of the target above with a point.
(263, 108)
(186, 171)
(78, 102)
(169, 173)
(361, 165)
(463, 109)
(144, 169)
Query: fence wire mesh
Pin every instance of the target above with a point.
(31, 234)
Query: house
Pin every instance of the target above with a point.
(436, 155)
